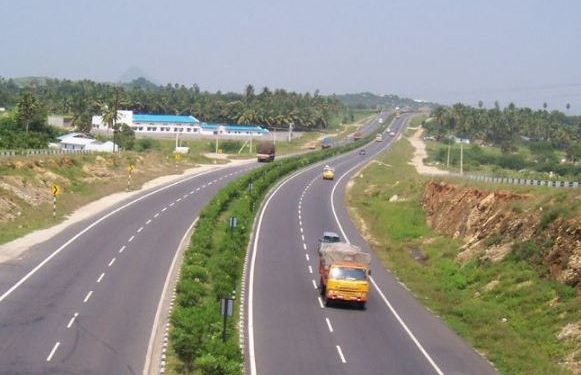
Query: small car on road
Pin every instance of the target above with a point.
(328, 173)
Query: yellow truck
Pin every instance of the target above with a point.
(344, 271)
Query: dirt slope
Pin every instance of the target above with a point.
(493, 224)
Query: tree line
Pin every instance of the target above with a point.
(508, 127)
(79, 100)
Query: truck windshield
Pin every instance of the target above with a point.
(331, 239)
(343, 273)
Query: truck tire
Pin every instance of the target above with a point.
(361, 305)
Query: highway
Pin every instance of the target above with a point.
(84, 302)
(290, 331)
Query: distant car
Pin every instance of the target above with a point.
(381, 121)
(328, 173)
(362, 152)
(378, 138)
(329, 237)
(392, 134)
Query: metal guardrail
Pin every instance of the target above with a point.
(513, 181)
(48, 151)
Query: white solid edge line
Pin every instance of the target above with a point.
(91, 226)
(391, 308)
(160, 304)
(54, 348)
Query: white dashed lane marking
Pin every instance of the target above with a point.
(314, 284)
(140, 229)
(329, 324)
(112, 261)
(122, 248)
(131, 238)
(88, 296)
(341, 356)
(321, 302)
(172, 204)
(305, 246)
(310, 269)
(101, 277)
(307, 256)
(72, 320)
(156, 215)
(147, 222)
(164, 209)
(51, 354)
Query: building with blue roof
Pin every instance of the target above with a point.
(173, 124)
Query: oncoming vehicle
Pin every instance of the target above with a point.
(327, 142)
(328, 173)
(265, 151)
(379, 138)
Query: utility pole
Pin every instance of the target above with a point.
(461, 159)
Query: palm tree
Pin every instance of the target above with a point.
(27, 109)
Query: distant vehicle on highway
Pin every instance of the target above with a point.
(327, 142)
(392, 133)
(329, 237)
(328, 173)
(362, 152)
(381, 121)
(379, 138)
(265, 151)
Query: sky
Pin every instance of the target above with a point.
(522, 51)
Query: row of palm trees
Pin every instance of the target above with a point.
(506, 127)
(82, 99)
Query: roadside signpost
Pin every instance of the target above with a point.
(226, 307)
(130, 169)
(55, 189)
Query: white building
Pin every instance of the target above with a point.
(83, 142)
(171, 124)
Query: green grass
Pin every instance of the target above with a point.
(515, 324)
(491, 161)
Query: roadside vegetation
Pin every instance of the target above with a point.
(25, 184)
(510, 311)
(509, 140)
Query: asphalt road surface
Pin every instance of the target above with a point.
(289, 331)
(89, 307)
